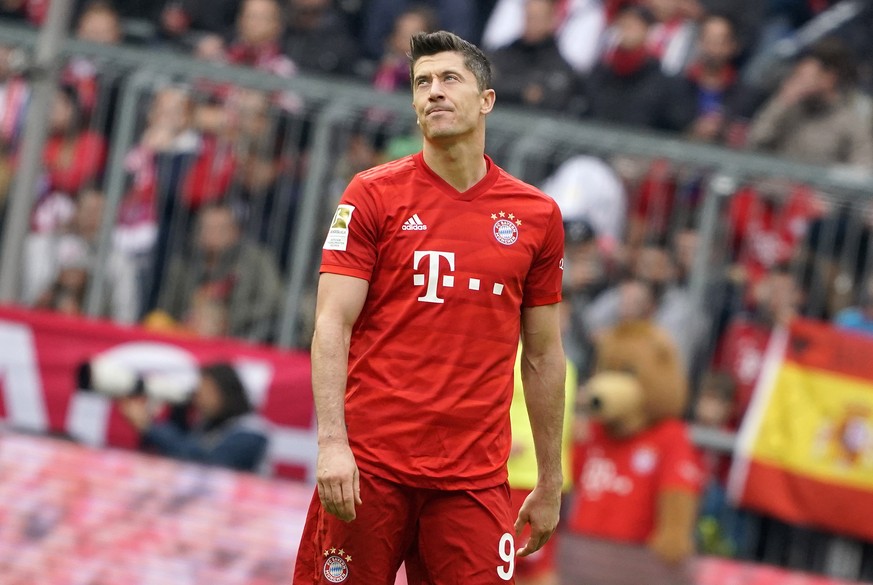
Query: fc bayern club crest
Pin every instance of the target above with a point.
(506, 227)
(336, 568)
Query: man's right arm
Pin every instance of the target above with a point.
(339, 302)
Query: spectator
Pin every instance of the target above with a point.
(811, 118)
(859, 318)
(73, 159)
(746, 16)
(579, 26)
(166, 149)
(99, 23)
(239, 278)
(627, 86)
(674, 310)
(531, 71)
(61, 263)
(671, 37)
(775, 301)
(392, 72)
(318, 39)
(218, 427)
(258, 39)
(712, 85)
(74, 156)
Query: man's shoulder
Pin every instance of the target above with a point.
(509, 182)
(389, 172)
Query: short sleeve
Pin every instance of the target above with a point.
(352, 239)
(543, 283)
(683, 465)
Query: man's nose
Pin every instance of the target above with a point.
(436, 89)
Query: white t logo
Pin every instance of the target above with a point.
(433, 274)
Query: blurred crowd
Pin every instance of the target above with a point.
(200, 245)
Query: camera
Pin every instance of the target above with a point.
(115, 379)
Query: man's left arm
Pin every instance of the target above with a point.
(543, 368)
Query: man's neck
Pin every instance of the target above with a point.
(461, 164)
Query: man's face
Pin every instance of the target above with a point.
(218, 230)
(260, 22)
(632, 31)
(539, 20)
(99, 26)
(446, 97)
(717, 43)
(89, 213)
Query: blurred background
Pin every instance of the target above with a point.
(168, 170)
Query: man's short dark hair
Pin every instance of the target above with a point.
(835, 56)
(424, 44)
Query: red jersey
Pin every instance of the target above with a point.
(618, 480)
(431, 359)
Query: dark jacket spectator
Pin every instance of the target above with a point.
(318, 39)
(218, 427)
(628, 87)
(531, 70)
(722, 105)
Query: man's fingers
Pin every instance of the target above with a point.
(519, 524)
(347, 502)
(533, 544)
(356, 484)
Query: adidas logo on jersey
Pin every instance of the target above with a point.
(414, 223)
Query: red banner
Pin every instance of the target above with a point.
(805, 449)
(40, 354)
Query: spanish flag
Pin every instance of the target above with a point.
(804, 452)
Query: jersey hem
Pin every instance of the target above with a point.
(550, 300)
(435, 483)
(345, 271)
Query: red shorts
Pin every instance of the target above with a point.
(445, 538)
(540, 562)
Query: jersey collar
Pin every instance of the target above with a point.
(491, 174)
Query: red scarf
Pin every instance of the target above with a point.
(626, 62)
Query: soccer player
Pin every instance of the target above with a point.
(433, 266)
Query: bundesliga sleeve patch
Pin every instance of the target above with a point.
(338, 235)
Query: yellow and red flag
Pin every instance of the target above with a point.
(805, 449)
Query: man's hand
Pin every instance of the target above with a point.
(541, 510)
(339, 487)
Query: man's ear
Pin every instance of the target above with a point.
(488, 98)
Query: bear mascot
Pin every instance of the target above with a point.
(637, 476)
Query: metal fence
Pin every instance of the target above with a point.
(207, 165)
